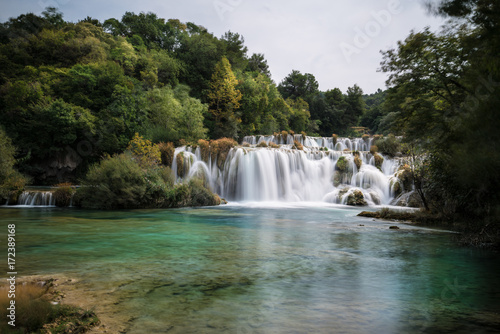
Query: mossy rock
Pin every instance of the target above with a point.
(356, 198)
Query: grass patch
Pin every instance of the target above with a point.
(36, 314)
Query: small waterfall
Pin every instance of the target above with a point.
(36, 198)
(254, 172)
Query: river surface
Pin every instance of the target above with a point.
(262, 269)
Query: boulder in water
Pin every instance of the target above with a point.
(356, 198)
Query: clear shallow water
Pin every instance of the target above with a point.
(262, 269)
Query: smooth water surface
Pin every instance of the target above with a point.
(254, 269)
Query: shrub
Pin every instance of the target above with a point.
(365, 137)
(334, 138)
(297, 145)
(373, 149)
(180, 164)
(356, 153)
(200, 195)
(358, 162)
(389, 145)
(63, 194)
(204, 149)
(356, 198)
(379, 160)
(144, 151)
(262, 144)
(35, 313)
(273, 145)
(220, 148)
(291, 132)
(304, 135)
(12, 182)
(284, 135)
(404, 174)
(167, 151)
(342, 164)
(115, 183)
(245, 144)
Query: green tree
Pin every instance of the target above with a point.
(224, 101)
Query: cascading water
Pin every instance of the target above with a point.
(36, 198)
(284, 173)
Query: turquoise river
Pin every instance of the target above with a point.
(293, 268)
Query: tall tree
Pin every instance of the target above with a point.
(224, 100)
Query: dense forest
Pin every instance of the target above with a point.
(73, 94)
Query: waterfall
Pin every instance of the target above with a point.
(36, 198)
(254, 172)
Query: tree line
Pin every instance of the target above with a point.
(84, 89)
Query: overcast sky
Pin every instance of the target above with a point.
(338, 41)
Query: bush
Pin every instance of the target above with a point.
(379, 160)
(273, 145)
(297, 145)
(373, 149)
(358, 162)
(304, 135)
(342, 164)
(389, 145)
(12, 182)
(365, 137)
(204, 146)
(63, 194)
(144, 151)
(116, 182)
(180, 164)
(220, 148)
(356, 198)
(200, 195)
(334, 137)
(167, 151)
(35, 313)
(245, 144)
(262, 144)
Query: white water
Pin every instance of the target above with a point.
(36, 198)
(290, 175)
